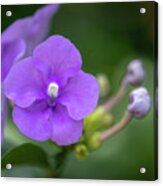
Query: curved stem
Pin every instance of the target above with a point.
(115, 99)
(116, 128)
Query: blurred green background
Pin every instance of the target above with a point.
(108, 36)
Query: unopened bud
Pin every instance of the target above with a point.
(104, 84)
(81, 151)
(94, 142)
(107, 120)
(135, 73)
(140, 102)
(99, 119)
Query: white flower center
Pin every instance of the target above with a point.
(53, 89)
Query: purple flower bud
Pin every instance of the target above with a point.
(135, 73)
(140, 102)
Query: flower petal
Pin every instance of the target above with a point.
(61, 55)
(24, 83)
(11, 53)
(80, 95)
(32, 29)
(41, 21)
(66, 131)
(4, 113)
(33, 121)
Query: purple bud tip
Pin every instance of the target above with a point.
(135, 73)
(140, 102)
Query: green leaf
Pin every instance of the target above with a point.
(26, 154)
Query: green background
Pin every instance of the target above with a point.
(108, 36)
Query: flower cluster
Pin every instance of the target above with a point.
(98, 126)
(53, 98)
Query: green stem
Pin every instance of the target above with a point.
(60, 161)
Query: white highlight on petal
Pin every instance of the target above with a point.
(53, 89)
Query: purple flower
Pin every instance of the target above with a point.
(52, 95)
(18, 41)
(11, 52)
(33, 29)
